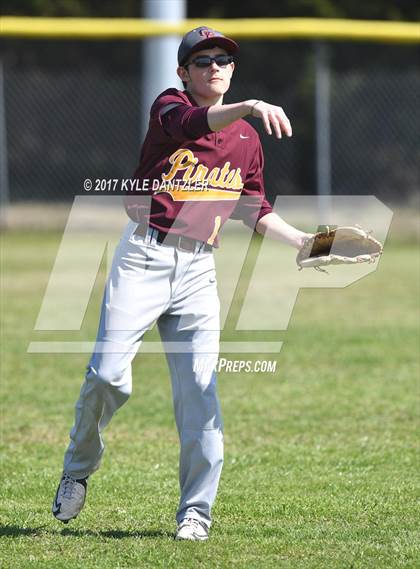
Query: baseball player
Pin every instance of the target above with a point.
(200, 164)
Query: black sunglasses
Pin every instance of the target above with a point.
(206, 60)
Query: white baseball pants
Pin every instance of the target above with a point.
(149, 282)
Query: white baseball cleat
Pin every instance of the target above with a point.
(69, 498)
(192, 529)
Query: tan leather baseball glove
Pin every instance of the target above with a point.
(342, 245)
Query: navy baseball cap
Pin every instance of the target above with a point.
(201, 38)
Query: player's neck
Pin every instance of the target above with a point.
(207, 102)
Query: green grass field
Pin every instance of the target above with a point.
(320, 458)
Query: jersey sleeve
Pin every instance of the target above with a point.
(182, 121)
(253, 204)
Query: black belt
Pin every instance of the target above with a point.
(180, 241)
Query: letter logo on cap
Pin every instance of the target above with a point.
(207, 33)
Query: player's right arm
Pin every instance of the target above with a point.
(273, 117)
(183, 121)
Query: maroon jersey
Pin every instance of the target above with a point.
(197, 178)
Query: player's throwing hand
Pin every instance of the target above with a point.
(273, 118)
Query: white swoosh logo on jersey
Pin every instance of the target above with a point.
(243, 137)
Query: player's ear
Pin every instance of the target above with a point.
(232, 67)
(183, 74)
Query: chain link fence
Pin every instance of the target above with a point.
(72, 111)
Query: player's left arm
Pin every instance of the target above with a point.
(255, 210)
(276, 228)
